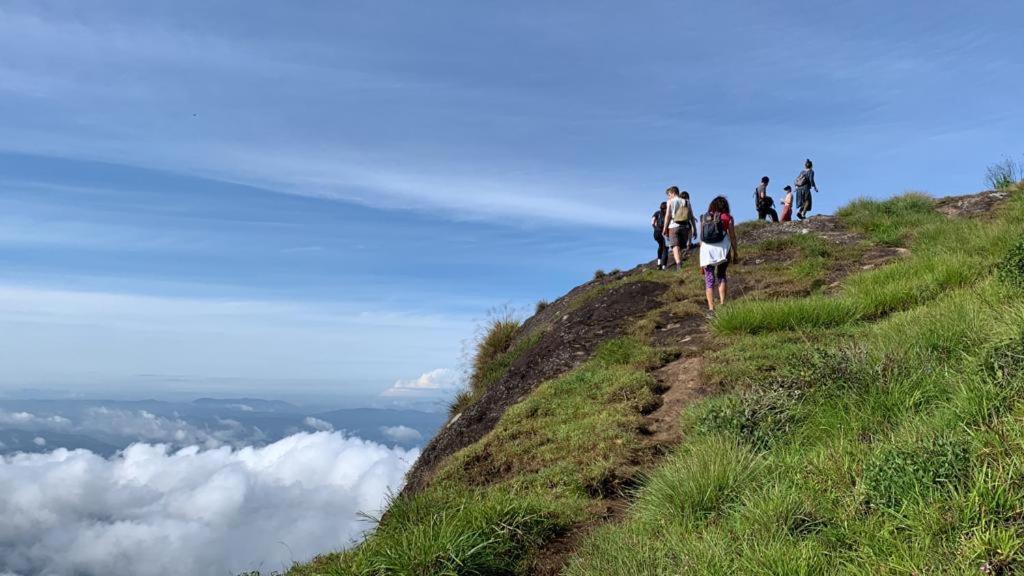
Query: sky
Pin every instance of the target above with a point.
(258, 198)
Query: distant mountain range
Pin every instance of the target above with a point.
(106, 426)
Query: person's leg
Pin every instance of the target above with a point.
(720, 276)
(661, 248)
(680, 242)
(709, 285)
(774, 215)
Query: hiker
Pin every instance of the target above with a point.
(804, 183)
(763, 203)
(787, 204)
(717, 248)
(658, 223)
(679, 223)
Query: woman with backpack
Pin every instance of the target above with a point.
(804, 183)
(658, 223)
(717, 248)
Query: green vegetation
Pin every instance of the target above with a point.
(531, 477)
(470, 532)
(496, 350)
(886, 440)
(1011, 269)
(948, 254)
(890, 223)
(874, 428)
(1005, 175)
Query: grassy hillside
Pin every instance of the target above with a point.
(857, 410)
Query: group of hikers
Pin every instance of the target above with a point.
(676, 228)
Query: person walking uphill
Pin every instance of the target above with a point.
(679, 223)
(763, 203)
(804, 183)
(658, 223)
(717, 248)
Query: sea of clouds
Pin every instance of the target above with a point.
(151, 510)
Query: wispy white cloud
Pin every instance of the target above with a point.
(440, 382)
(322, 165)
(401, 434)
(318, 424)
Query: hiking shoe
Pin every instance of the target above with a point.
(710, 314)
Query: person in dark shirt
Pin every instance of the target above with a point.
(763, 203)
(658, 222)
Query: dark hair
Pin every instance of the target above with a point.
(664, 205)
(808, 164)
(764, 179)
(672, 190)
(719, 204)
(788, 188)
(685, 195)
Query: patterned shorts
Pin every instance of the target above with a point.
(715, 274)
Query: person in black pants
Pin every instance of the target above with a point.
(658, 222)
(763, 203)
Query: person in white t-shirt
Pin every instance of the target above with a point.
(679, 223)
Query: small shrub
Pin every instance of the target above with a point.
(541, 306)
(907, 472)
(497, 339)
(598, 274)
(1011, 269)
(461, 401)
(1004, 175)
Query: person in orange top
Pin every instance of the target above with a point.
(787, 205)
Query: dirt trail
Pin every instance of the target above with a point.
(681, 384)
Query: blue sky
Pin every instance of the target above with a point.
(243, 197)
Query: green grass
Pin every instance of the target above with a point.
(891, 222)
(875, 430)
(446, 534)
(949, 254)
(495, 353)
(574, 434)
(531, 477)
(885, 441)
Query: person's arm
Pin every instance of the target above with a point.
(654, 222)
(814, 184)
(693, 225)
(664, 229)
(733, 244)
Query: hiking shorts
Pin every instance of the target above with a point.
(679, 236)
(715, 274)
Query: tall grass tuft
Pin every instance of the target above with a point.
(496, 349)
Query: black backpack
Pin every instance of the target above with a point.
(712, 231)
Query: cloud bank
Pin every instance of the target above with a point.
(440, 382)
(150, 511)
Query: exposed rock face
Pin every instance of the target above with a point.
(572, 328)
